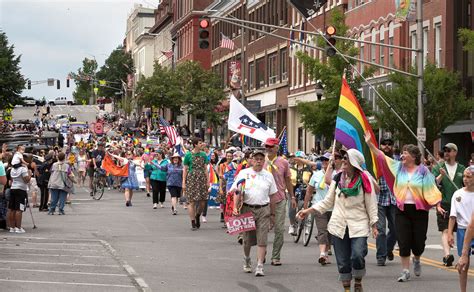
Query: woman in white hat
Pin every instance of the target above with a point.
(352, 197)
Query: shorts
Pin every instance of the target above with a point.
(262, 222)
(322, 221)
(175, 192)
(443, 221)
(18, 200)
(411, 226)
(460, 240)
(146, 173)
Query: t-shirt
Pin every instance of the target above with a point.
(2, 173)
(259, 186)
(317, 181)
(99, 156)
(462, 207)
(17, 175)
(280, 170)
(188, 159)
(17, 157)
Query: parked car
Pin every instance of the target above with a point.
(29, 101)
(62, 101)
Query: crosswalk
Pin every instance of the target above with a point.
(55, 264)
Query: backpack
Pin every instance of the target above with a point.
(45, 173)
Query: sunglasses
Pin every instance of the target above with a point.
(447, 150)
(337, 157)
(269, 146)
(386, 144)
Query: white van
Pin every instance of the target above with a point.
(62, 101)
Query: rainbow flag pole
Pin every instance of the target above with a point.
(351, 125)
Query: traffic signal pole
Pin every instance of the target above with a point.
(420, 67)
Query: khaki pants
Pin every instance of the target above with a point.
(280, 214)
(262, 224)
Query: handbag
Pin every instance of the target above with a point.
(68, 183)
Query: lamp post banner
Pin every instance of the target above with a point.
(242, 121)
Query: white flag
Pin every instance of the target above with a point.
(242, 121)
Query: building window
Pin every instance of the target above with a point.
(252, 76)
(284, 65)
(391, 53)
(425, 45)
(362, 56)
(413, 46)
(300, 138)
(260, 66)
(438, 45)
(272, 69)
(373, 48)
(382, 49)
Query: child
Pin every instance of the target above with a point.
(462, 208)
(18, 160)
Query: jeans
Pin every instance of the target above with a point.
(55, 196)
(280, 212)
(350, 256)
(386, 241)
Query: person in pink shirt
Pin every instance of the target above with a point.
(280, 169)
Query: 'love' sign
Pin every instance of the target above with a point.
(241, 223)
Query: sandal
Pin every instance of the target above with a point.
(323, 260)
(276, 263)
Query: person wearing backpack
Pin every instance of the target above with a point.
(44, 171)
(60, 183)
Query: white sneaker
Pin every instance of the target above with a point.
(155, 205)
(204, 220)
(247, 265)
(20, 230)
(259, 271)
(12, 230)
(291, 230)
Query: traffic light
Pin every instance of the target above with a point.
(29, 84)
(58, 84)
(67, 82)
(204, 26)
(330, 41)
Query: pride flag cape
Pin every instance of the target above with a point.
(351, 124)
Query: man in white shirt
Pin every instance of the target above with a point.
(252, 190)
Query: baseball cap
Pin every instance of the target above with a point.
(325, 156)
(451, 146)
(258, 152)
(272, 141)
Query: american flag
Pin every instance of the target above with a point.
(169, 130)
(168, 54)
(284, 143)
(226, 42)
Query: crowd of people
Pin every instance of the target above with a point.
(347, 202)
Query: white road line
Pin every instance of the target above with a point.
(64, 272)
(50, 249)
(136, 279)
(58, 264)
(50, 255)
(64, 239)
(68, 283)
(52, 243)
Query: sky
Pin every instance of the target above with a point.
(53, 37)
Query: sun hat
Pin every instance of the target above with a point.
(356, 159)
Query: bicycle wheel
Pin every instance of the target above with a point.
(299, 230)
(98, 191)
(308, 229)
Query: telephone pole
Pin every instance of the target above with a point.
(419, 63)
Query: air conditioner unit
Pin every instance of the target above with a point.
(284, 76)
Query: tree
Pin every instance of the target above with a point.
(446, 103)
(12, 81)
(161, 90)
(320, 116)
(115, 70)
(466, 36)
(83, 79)
(202, 91)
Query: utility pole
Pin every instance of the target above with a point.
(419, 61)
(242, 62)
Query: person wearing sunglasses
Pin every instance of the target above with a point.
(415, 191)
(449, 177)
(352, 197)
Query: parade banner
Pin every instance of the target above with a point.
(110, 167)
(405, 10)
(242, 223)
(242, 121)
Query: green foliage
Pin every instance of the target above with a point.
(115, 71)
(466, 36)
(12, 81)
(446, 103)
(83, 79)
(320, 116)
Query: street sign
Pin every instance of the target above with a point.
(50, 81)
(307, 7)
(421, 134)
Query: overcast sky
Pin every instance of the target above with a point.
(54, 36)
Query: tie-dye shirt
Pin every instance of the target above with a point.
(421, 184)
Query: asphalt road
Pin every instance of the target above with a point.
(105, 246)
(83, 113)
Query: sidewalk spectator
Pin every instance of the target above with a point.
(449, 177)
(260, 186)
(462, 211)
(18, 197)
(60, 183)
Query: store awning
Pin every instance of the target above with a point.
(464, 126)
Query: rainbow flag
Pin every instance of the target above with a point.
(213, 179)
(244, 139)
(351, 124)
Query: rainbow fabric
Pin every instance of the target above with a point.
(213, 179)
(244, 139)
(351, 124)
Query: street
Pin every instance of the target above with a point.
(105, 246)
(83, 113)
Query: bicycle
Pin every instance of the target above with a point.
(98, 185)
(303, 227)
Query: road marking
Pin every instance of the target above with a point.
(69, 283)
(63, 272)
(53, 243)
(136, 279)
(64, 239)
(49, 255)
(59, 264)
(50, 249)
(426, 261)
